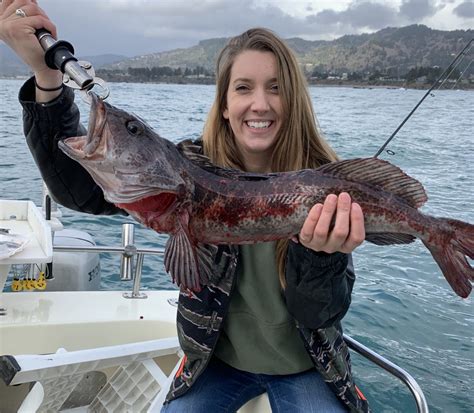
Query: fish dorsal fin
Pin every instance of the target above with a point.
(381, 174)
(193, 151)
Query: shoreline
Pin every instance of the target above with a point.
(311, 82)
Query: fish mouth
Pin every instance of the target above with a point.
(90, 146)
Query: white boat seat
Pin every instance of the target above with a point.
(134, 380)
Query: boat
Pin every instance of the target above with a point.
(68, 346)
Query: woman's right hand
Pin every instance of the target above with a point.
(19, 34)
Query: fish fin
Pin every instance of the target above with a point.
(379, 173)
(180, 256)
(193, 152)
(389, 238)
(457, 243)
(206, 254)
(179, 261)
(189, 263)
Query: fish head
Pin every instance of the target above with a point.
(124, 156)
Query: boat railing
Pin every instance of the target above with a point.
(131, 270)
(131, 263)
(393, 369)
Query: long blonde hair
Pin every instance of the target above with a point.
(299, 144)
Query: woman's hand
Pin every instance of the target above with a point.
(348, 231)
(19, 34)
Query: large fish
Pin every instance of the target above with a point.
(174, 190)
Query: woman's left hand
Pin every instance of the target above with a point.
(348, 231)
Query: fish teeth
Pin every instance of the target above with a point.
(259, 124)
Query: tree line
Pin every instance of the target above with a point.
(154, 74)
(200, 74)
(419, 73)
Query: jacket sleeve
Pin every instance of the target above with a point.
(319, 286)
(44, 125)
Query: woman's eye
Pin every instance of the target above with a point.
(274, 88)
(241, 88)
(133, 127)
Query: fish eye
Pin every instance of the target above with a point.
(134, 127)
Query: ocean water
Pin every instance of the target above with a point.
(402, 306)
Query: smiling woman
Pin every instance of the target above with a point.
(254, 108)
(261, 120)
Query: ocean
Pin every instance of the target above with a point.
(402, 307)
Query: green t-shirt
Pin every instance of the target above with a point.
(259, 335)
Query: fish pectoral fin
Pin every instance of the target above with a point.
(180, 261)
(389, 238)
(189, 263)
(205, 256)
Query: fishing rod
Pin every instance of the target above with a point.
(59, 55)
(449, 69)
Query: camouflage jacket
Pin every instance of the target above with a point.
(201, 315)
(319, 286)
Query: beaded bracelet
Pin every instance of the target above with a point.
(53, 89)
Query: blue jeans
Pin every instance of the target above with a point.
(224, 389)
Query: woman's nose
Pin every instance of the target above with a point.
(260, 101)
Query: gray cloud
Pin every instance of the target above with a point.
(359, 15)
(153, 26)
(465, 10)
(415, 10)
(371, 15)
(135, 27)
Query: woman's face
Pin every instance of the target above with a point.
(254, 108)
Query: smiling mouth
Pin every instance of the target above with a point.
(91, 145)
(261, 124)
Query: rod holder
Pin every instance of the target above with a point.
(126, 262)
(136, 281)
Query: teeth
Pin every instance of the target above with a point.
(259, 125)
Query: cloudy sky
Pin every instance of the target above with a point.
(134, 27)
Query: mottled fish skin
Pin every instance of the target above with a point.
(176, 190)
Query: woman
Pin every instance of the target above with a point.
(270, 320)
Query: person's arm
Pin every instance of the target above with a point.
(44, 125)
(319, 271)
(318, 286)
(49, 116)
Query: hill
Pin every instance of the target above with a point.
(11, 65)
(392, 51)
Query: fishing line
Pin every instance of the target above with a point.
(450, 73)
(462, 74)
(448, 70)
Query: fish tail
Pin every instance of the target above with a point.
(457, 243)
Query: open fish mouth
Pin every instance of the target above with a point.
(91, 146)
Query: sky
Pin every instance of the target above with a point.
(136, 27)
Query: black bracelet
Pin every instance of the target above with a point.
(44, 89)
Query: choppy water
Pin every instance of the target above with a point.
(402, 306)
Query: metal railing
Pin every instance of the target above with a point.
(129, 250)
(393, 369)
